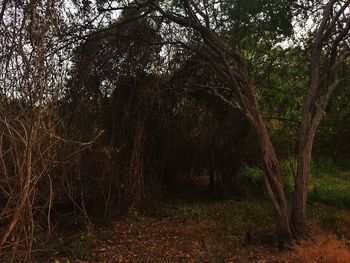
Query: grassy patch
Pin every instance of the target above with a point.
(331, 219)
(330, 191)
(330, 185)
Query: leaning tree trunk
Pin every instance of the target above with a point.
(272, 176)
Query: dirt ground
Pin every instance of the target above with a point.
(207, 232)
(168, 240)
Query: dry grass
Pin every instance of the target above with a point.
(322, 249)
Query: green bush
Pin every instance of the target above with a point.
(250, 183)
(288, 168)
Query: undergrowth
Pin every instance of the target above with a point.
(329, 183)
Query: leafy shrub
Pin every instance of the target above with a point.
(250, 182)
(288, 168)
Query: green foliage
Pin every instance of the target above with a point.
(250, 183)
(254, 174)
(329, 183)
(282, 78)
(269, 15)
(333, 136)
(288, 169)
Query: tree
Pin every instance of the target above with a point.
(330, 50)
(237, 89)
(114, 87)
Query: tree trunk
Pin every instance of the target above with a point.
(274, 186)
(298, 218)
(273, 180)
(309, 124)
(299, 208)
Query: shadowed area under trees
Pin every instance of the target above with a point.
(174, 131)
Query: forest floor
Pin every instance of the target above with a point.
(205, 231)
(193, 228)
